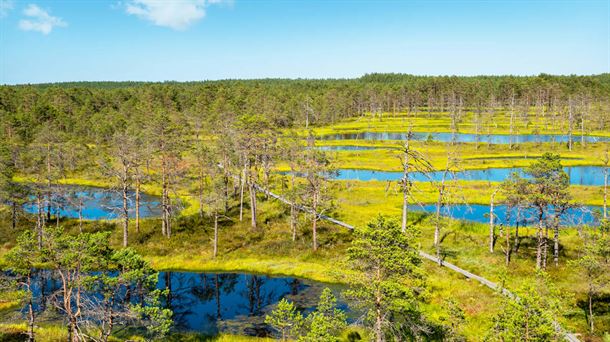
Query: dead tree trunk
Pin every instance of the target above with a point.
(606, 175)
(14, 214)
(517, 221)
(293, 212)
(215, 234)
(201, 187)
(570, 124)
(252, 204)
(315, 221)
(242, 180)
(439, 204)
(512, 121)
(540, 238)
(137, 204)
(491, 222)
(31, 316)
(163, 197)
(556, 238)
(39, 219)
(606, 192)
(507, 251)
(49, 200)
(80, 218)
(545, 246)
(405, 187)
(125, 214)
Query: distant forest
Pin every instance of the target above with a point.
(91, 110)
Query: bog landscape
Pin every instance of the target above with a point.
(380, 207)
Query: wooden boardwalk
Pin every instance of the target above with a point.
(568, 336)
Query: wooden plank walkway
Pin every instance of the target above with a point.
(568, 336)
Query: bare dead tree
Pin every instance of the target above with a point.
(292, 151)
(316, 168)
(570, 123)
(512, 121)
(584, 113)
(606, 161)
(477, 124)
(449, 191)
(412, 161)
(120, 166)
(492, 217)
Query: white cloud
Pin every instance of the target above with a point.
(175, 14)
(39, 20)
(5, 7)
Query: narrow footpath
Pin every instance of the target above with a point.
(568, 335)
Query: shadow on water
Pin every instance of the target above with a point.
(211, 303)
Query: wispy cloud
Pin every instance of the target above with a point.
(5, 7)
(175, 14)
(39, 20)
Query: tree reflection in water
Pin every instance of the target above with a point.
(208, 303)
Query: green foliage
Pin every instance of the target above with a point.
(547, 192)
(549, 184)
(325, 324)
(7, 168)
(594, 266)
(285, 319)
(158, 320)
(22, 258)
(390, 282)
(531, 316)
(86, 252)
(454, 320)
(86, 262)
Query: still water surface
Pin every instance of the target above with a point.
(579, 175)
(210, 303)
(464, 137)
(480, 213)
(95, 203)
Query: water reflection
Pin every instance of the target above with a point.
(503, 216)
(93, 203)
(464, 137)
(579, 175)
(210, 303)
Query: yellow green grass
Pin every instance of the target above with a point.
(441, 122)
(320, 270)
(388, 159)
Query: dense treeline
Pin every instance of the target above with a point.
(86, 109)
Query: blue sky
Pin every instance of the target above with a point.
(154, 40)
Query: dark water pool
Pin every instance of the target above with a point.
(95, 203)
(579, 175)
(210, 303)
(463, 137)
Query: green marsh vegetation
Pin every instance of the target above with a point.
(204, 149)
